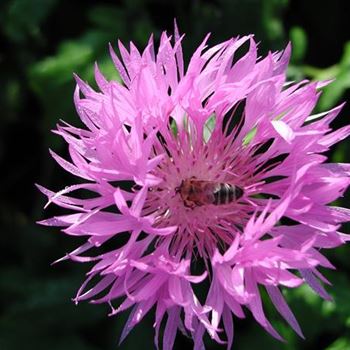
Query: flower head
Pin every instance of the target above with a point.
(220, 166)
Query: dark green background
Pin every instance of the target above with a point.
(42, 43)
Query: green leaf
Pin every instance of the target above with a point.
(209, 127)
(22, 18)
(249, 137)
(299, 43)
(173, 127)
(108, 17)
(58, 69)
(342, 343)
(340, 72)
(340, 153)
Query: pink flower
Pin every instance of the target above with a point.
(220, 158)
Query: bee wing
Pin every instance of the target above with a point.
(211, 192)
(210, 197)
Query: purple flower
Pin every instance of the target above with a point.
(228, 185)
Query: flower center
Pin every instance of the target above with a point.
(205, 191)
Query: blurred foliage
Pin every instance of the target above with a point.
(43, 43)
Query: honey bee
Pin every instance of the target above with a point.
(199, 192)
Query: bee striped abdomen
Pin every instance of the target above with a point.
(226, 193)
(196, 193)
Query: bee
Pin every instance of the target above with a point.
(199, 192)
